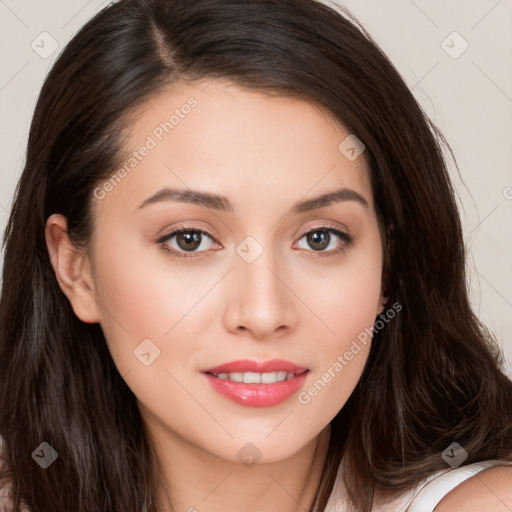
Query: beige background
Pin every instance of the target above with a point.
(468, 94)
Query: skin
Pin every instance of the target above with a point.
(264, 154)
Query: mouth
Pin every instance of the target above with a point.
(257, 384)
(257, 377)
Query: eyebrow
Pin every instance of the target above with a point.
(222, 203)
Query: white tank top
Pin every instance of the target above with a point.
(425, 496)
(440, 485)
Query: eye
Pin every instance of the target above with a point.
(187, 240)
(324, 237)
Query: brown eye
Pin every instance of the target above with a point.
(318, 240)
(186, 240)
(326, 240)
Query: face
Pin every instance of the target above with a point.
(263, 273)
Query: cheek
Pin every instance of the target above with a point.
(354, 307)
(348, 307)
(351, 300)
(134, 302)
(341, 362)
(143, 297)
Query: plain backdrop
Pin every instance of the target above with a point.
(456, 56)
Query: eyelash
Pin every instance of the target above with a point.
(345, 237)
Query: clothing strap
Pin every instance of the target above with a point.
(437, 488)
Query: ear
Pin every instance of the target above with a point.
(72, 269)
(382, 304)
(384, 285)
(387, 255)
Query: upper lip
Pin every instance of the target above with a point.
(247, 365)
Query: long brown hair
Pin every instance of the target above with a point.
(434, 374)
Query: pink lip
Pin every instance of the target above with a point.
(247, 365)
(257, 395)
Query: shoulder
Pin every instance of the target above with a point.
(490, 489)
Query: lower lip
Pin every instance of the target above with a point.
(258, 395)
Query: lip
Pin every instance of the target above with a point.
(257, 395)
(248, 365)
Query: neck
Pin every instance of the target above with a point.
(193, 480)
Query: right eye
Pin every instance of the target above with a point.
(185, 240)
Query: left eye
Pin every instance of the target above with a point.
(321, 240)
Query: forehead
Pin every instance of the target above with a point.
(219, 137)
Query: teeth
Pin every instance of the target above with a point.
(256, 378)
(269, 378)
(252, 378)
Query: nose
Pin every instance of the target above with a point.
(260, 299)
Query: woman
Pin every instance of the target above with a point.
(234, 278)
